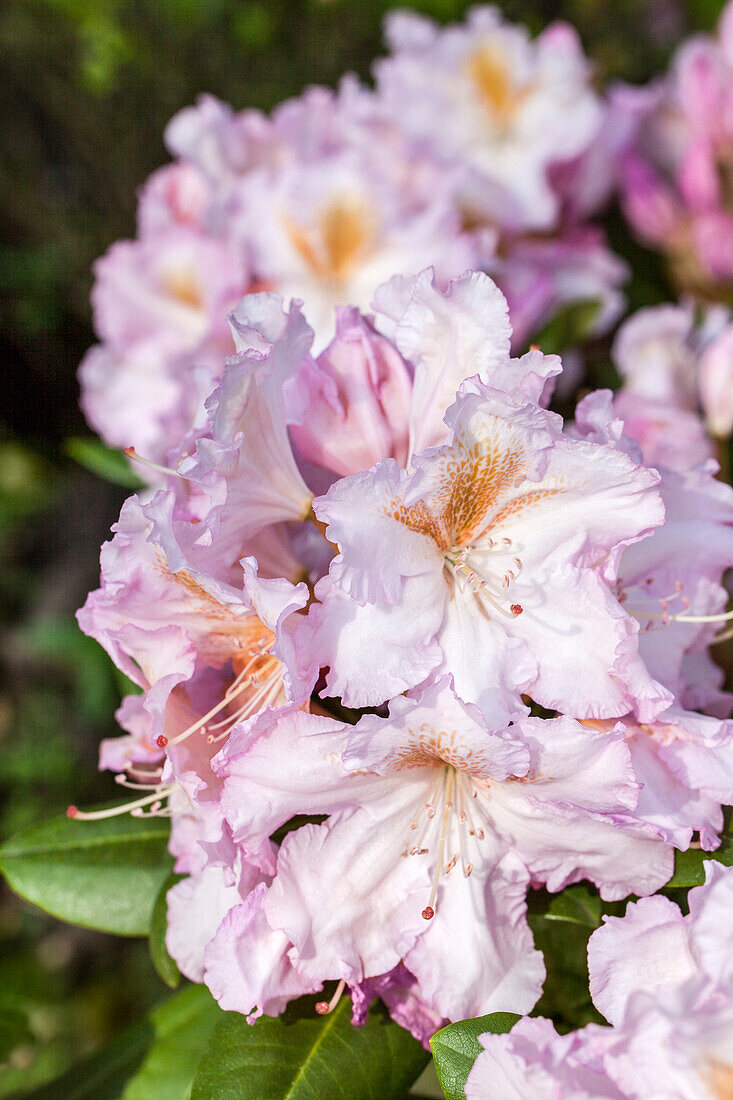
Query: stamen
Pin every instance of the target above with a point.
(241, 683)
(324, 1007)
(458, 561)
(126, 808)
(682, 617)
(122, 779)
(167, 470)
(161, 741)
(429, 911)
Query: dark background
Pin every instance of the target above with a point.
(86, 88)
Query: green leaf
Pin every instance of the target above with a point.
(302, 1055)
(182, 1026)
(162, 961)
(103, 1075)
(103, 461)
(156, 1058)
(689, 866)
(576, 904)
(456, 1047)
(100, 874)
(571, 325)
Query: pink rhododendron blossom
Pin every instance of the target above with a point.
(358, 400)
(663, 980)
(329, 233)
(534, 1060)
(684, 764)
(160, 306)
(508, 107)
(674, 177)
(359, 492)
(205, 653)
(654, 946)
(670, 366)
(247, 967)
(672, 583)
(435, 783)
(499, 544)
(244, 463)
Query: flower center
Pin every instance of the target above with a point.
(182, 284)
(338, 241)
(258, 684)
(501, 98)
(489, 571)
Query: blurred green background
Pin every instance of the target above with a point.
(86, 87)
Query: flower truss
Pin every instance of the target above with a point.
(412, 651)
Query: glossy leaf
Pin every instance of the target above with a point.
(162, 961)
(303, 1056)
(456, 1047)
(100, 874)
(182, 1027)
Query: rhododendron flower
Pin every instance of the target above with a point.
(205, 653)
(663, 980)
(490, 560)
(476, 813)
(684, 764)
(160, 306)
(654, 946)
(244, 464)
(329, 233)
(670, 366)
(672, 582)
(715, 383)
(534, 1059)
(357, 400)
(485, 95)
(674, 177)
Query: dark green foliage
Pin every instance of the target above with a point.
(303, 1056)
(456, 1047)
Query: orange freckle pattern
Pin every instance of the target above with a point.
(473, 477)
(427, 747)
(229, 636)
(519, 504)
(720, 1080)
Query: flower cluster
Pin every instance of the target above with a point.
(299, 204)
(407, 644)
(402, 525)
